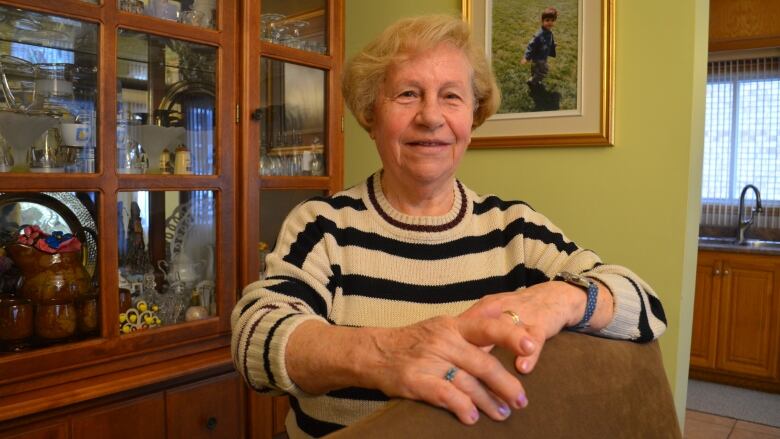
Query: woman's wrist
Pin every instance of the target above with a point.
(348, 359)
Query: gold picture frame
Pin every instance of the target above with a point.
(589, 122)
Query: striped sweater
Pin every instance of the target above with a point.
(353, 260)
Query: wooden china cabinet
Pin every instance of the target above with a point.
(293, 100)
(170, 137)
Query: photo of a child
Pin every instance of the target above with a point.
(541, 46)
(534, 51)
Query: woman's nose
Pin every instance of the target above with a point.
(430, 114)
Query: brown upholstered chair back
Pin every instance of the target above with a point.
(582, 387)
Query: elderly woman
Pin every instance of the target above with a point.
(401, 285)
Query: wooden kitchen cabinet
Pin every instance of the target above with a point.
(704, 338)
(228, 82)
(736, 332)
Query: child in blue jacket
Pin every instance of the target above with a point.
(540, 47)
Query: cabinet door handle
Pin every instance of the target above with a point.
(717, 272)
(211, 423)
(725, 272)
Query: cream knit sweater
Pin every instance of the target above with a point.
(353, 260)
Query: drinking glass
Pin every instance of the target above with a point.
(266, 20)
(296, 41)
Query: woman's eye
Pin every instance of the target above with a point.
(453, 99)
(407, 94)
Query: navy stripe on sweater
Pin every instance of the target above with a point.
(314, 231)
(341, 202)
(645, 332)
(267, 348)
(300, 290)
(311, 426)
(493, 202)
(520, 276)
(359, 393)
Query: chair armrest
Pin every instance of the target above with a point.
(583, 387)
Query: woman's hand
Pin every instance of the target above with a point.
(415, 359)
(544, 310)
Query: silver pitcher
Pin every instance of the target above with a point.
(47, 154)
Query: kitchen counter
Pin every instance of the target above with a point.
(730, 245)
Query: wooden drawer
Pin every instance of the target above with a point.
(207, 409)
(54, 430)
(139, 417)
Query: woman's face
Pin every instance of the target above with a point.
(423, 116)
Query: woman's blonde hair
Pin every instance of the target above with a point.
(365, 72)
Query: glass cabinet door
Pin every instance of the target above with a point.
(49, 277)
(298, 24)
(48, 77)
(167, 245)
(292, 131)
(295, 135)
(166, 105)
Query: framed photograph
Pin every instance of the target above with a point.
(554, 63)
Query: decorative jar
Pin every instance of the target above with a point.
(55, 320)
(16, 322)
(50, 276)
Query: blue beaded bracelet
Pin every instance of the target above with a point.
(590, 306)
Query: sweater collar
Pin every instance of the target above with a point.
(425, 224)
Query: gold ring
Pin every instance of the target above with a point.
(515, 318)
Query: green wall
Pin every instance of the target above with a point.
(635, 203)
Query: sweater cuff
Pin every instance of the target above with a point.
(627, 306)
(267, 349)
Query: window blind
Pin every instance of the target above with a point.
(741, 136)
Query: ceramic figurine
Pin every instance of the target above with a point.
(137, 259)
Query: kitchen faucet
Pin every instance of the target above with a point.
(743, 224)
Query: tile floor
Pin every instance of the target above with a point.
(700, 425)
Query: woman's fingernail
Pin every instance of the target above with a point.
(475, 415)
(503, 410)
(522, 401)
(528, 345)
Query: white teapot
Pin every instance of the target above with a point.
(181, 269)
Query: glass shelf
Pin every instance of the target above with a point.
(201, 13)
(301, 25)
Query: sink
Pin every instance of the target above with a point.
(754, 244)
